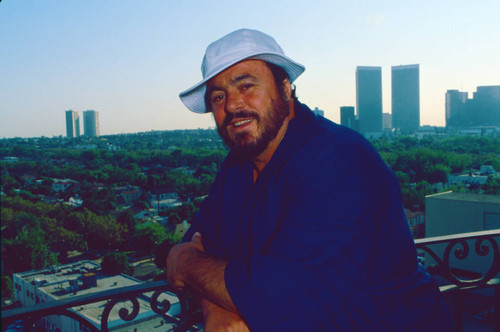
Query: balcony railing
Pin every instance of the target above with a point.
(185, 317)
(462, 264)
(442, 256)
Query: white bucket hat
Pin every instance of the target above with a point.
(231, 49)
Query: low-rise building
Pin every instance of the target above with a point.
(127, 195)
(82, 278)
(61, 185)
(162, 199)
(473, 178)
(452, 213)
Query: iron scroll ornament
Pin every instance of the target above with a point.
(461, 252)
(159, 307)
(32, 315)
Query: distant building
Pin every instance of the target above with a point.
(386, 121)
(319, 112)
(455, 108)
(163, 199)
(483, 109)
(369, 98)
(348, 118)
(60, 185)
(91, 123)
(72, 124)
(127, 195)
(473, 178)
(406, 98)
(81, 278)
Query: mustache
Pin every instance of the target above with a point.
(241, 114)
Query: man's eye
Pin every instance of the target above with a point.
(246, 86)
(217, 98)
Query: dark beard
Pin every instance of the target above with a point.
(272, 122)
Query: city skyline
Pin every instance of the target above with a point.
(132, 61)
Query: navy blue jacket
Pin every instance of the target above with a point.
(320, 242)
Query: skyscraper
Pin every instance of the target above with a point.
(369, 98)
(72, 124)
(405, 98)
(91, 123)
(347, 117)
(455, 108)
(486, 106)
(483, 109)
(386, 121)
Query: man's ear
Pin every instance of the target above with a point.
(287, 89)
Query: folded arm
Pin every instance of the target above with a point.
(188, 265)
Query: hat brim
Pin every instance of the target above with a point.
(194, 97)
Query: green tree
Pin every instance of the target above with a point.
(28, 250)
(149, 235)
(7, 287)
(115, 263)
(9, 182)
(492, 186)
(127, 219)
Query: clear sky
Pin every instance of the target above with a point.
(129, 59)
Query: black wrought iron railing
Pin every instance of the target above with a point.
(444, 258)
(464, 263)
(183, 320)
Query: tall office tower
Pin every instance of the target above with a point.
(386, 121)
(369, 98)
(405, 98)
(347, 117)
(72, 124)
(485, 106)
(483, 109)
(91, 123)
(455, 109)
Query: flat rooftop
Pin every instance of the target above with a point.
(492, 199)
(56, 282)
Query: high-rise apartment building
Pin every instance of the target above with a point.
(455, 108)
(369, 98)
(386, 121)
(405, 98)
(348, 118)
(483, 109)
(72, 124)
(91, 123)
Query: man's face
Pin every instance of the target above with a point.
(249, 109)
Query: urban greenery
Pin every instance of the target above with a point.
(39, 228)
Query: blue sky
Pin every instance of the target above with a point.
(129, 60)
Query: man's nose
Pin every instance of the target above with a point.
(234, 102)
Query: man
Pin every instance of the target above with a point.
(304, 228)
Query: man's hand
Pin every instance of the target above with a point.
(188, 265)
(217, 319)
(177, 260)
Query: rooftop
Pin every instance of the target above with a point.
(59, 284)
(493, 199)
